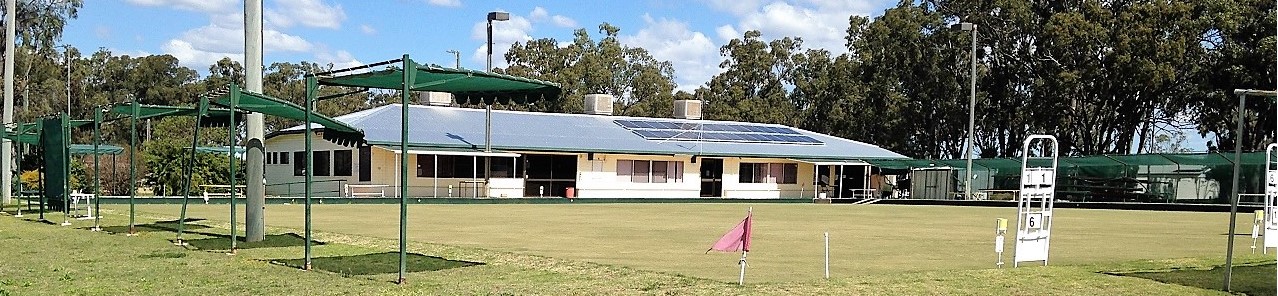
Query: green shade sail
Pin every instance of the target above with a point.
(103, 149)
(214, 117)
(465, 85)
(334, 131)
(239, 150)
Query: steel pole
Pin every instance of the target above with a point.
(232, 131)
(97, 170)
(133, 168)
(410, 71)
(1233, 195)
(6, 146)
(310, 168)
(254, 154)
(971, 121)
(488, 67)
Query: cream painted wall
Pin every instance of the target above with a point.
(595, 179)
(598, 179)
(733, 188)
(279, 177)
(385, 171)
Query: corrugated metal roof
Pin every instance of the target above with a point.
(433, 126)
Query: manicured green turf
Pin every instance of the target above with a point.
(787, 237)
(45, 259)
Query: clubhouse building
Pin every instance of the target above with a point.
(593, 155)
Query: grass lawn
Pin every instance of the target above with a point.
(621, 249)
(787, 246)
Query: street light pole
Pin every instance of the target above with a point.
(971, 110)
(66, 50)
(493, 16)
(457, 56)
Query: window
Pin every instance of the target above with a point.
(283, 158)
(647, 171)
(321, 163)
(299, 166)
(776, 173)
(459, 166)
(425, 166)
(502, 167)
(641, 172)
(624, 168)
(342, 162)
(270, 158)
(659, 169)
(790, 174)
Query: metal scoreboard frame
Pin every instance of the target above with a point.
(1034, 204)
(1270, 221)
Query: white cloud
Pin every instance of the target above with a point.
(445, 3)
(563, 21)
(821, 23)
(310, 13)
(340, 59)
(207, 6)
(505, 33)
(727, 33)
(195, 58)
(368, 30)
(540, 14)
(694, 55)
(224, 37)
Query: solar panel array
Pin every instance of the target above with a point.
(717, 132)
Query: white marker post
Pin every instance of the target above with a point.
(1255, 228)
(827, 255)
(1270, 219)
(1000, 228)
(1036, 201)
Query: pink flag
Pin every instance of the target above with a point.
(737, 239)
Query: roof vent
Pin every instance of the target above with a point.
(598, 104)
(434, 98)
(687, 109)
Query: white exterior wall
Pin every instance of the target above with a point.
(598, 179)
(454, 187)
(385, 171)
(595, 179)
(733, 188)
(279, 177)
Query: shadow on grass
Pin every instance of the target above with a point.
(223, 242)
(377, 263)
(158, 226)
(1249, 279)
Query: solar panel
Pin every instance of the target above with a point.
(717, 132)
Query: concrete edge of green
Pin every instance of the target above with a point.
(429, 200)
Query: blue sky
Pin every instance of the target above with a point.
(349, 33)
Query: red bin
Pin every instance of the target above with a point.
(570, 192)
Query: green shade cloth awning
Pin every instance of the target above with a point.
(335, 131)
(215, 117)
(103, 149)
(220, 150)
(464, 84)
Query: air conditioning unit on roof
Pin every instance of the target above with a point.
(435, 98)
(687, 109)
(598, 104)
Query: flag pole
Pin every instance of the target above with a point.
(745, 248)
